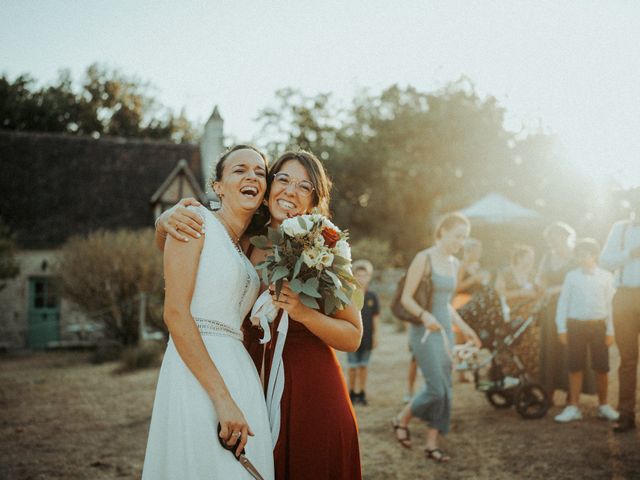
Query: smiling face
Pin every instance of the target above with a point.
(244, 181)
(286, 201)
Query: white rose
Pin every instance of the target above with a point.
(343, 249)
(310, 258)
(328, 223)
(292, 227)
(326, 258)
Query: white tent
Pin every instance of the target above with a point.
(494, 208)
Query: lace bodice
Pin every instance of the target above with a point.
(226, 286)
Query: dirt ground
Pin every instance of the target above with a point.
(62, 417)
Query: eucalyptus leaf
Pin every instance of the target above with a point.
(309, 302)
(265, 277)
(334, 278)
(260, 241)
(330, 304)
(342, 296)
(279, 273)
(296, 269)
(339, 260)
(310, 288)
(296, 285)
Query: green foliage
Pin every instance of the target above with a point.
(105, 273)
(401, 158)
(105, 103)
(377, 251)
(9, 267)
(328, 288)
(146, 355)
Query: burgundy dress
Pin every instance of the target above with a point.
(318, 431)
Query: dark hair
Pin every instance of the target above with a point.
(520, 251)
(587, 245)
(216, 175)
(449, 221)
(317, 174)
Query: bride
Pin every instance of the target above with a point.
(207, 376)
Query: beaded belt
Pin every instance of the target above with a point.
(209, 327)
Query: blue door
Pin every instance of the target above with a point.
(44, 312)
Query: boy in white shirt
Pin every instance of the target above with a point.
(585, 325)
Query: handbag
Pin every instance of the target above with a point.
(422, 295)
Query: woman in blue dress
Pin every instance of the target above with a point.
(432, 339)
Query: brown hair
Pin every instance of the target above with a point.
(520, 251)
(216, 175)
(261, 216)
(317, 174)
(449, 221)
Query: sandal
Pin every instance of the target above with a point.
(405, 441)
(437, 455)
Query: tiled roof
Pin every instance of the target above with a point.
(53, 186)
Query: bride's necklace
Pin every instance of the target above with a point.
(235, 238)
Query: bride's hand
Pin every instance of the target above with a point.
(179, 220)
(288, 301)
(234, 428)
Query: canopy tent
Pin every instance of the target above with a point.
(495, 209)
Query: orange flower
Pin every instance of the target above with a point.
(330, 236)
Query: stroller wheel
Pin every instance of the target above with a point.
(500, 399)
(532, 401)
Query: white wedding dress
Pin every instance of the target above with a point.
(183, 443)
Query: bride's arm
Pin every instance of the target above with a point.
(180, 267)
(178, 221)
(342, 331)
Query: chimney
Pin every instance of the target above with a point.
(211, 146)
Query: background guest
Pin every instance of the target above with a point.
(622, 254)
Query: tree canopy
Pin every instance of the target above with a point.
(106, 102)
(400, 158)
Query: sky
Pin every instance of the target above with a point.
(571, 66)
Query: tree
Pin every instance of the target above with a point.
(9, 267)
(105, 272)
(401, 158)
(107, 102)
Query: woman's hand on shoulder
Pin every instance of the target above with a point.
(180, 220)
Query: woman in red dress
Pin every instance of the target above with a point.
(318, 436)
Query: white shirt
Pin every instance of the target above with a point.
(616, 254)
(586, 296)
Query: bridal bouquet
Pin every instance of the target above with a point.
(314, 256)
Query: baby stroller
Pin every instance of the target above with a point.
(500, 330)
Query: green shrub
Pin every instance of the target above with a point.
(107, 350)
(105, 272)
(144, 355)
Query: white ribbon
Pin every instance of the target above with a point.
(264, 312)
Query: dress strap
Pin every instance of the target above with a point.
(249, 251)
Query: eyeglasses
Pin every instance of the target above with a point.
(304, 188)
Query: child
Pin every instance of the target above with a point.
(358, 360)
(585, 324)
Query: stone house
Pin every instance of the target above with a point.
(54, 186)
